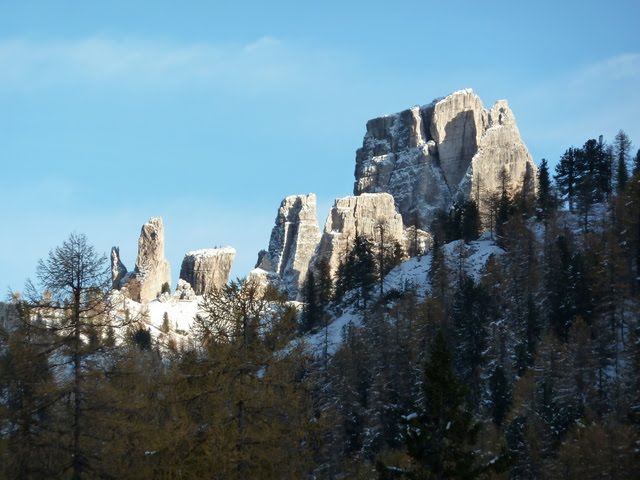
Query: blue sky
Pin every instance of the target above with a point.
(209, 113)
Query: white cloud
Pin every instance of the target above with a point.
(264, 64)
(620, 67)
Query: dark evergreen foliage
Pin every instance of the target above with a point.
(566, 176)
(359, 271)
(545, 201)
(439, 437)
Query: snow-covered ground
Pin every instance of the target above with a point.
(180, 313)
(410, 275)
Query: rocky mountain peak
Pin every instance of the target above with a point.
(427, 157)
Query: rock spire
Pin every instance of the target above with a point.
(293, 242)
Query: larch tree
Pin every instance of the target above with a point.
(73, 301)
(243, 391)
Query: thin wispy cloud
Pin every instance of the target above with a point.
(621, 67)
(596, 98)
(266, 63)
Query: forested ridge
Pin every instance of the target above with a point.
(525, 367)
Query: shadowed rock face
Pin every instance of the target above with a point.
(370, 215)
(152, 269)
(429, 156)
(208, 269)
(118, 270)
(293, 242)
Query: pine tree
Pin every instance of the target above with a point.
(358, 273)
(505, 206)
(471, 313)
(440, 437)
(312, 312)
(544, 199)
(566, 176)
(593, 175)
(622, 151)
(470, 225)
(500, 394)
(438, 274)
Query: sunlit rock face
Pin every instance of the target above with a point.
(453, 148)
(208, 269)
(152, 269)
(294, 239)
(371, 215)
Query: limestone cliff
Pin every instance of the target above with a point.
(429, 156)
(152, 269)
(208, 269)
(370, 215)
(293, 241)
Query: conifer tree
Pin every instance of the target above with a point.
(439, 438)
(248, 411)
(26, 411)
(312, 311)
(500, 395)
(622, 151)
(358, 272)
(438, 274)
(566, 176)
(471, 312)
(544, 199)
(75, 281)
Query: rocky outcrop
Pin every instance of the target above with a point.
(184, 291)
(118, 270)
(429, 156)
(264, 279)
(208, 269)
(152, 270)
(293, 241)
(370, 215)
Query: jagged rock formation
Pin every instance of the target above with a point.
(208, 269)
(184, 291)
(264, 279)
(152, 269)
(264, 261)
(370, 215)
(294, 239)
(118, 270)
(429, 156)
